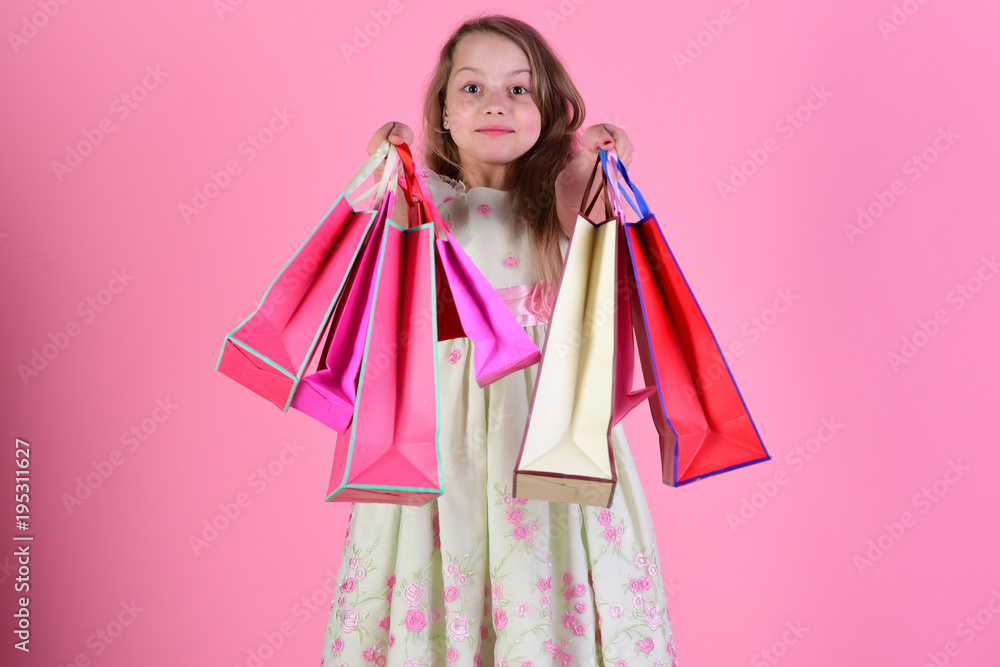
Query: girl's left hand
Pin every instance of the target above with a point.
(608, 137)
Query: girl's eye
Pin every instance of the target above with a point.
(476, 86)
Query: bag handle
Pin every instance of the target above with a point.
(601, 188)
(611, 177)
(385, 151)
(417, 195)
(642, 209)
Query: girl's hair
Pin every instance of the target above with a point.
(530, 179)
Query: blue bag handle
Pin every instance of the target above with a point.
(642, 210)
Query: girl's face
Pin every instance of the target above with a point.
(490, 86)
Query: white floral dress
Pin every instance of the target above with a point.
(476, 577)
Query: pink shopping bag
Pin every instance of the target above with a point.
(390, 451)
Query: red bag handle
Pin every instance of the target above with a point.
(597, 192)
(417, 196)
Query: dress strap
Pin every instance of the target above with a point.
(531, 304)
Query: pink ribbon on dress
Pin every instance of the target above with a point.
(531, 304)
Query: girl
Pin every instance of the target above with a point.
(477, 577)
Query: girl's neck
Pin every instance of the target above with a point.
(492, 177)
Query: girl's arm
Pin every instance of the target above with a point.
(573, 179)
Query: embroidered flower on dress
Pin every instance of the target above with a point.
(484, 210)
(496, 590)
(415, 621)
(446, 200)
(645, 645)
(458, 629)
(349, 618)
(414, 594)
(450, 225)
(510, 262)
(653, 617)
(455, 356)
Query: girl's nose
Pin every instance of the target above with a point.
(495, 102)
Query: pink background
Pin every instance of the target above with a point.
(737, 586)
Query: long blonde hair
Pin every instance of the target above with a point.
(530, 179)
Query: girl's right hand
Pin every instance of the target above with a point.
(397, 133)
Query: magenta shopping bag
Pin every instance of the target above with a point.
(467, 303)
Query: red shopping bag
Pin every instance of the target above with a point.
(704, 426)
(270, 350)
(328, 394)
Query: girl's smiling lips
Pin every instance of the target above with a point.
(495, 130)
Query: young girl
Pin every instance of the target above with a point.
(477, 577)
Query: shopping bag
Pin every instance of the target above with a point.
(468, 304)
(328, 394)
(390, 452)
(704, 426)
(625, 398)
(566, 453)
(270, 350)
